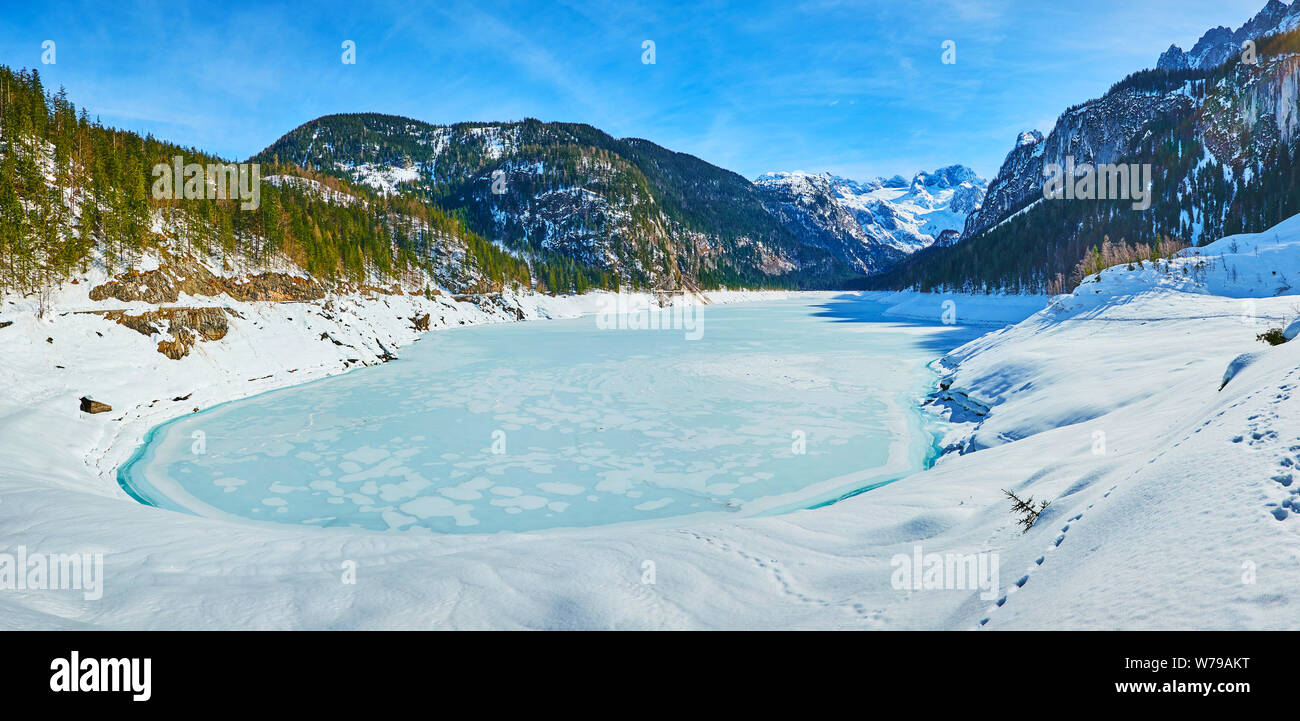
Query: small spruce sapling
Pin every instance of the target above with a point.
(1272, 336)
(1026, 508)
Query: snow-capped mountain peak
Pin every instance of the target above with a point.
(894, 213)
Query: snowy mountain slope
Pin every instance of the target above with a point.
(1172, 500)
(315, 187)
(1219, 145)
(873, 224)
(1251, 100)
(1100, 131)
(1163, 488)
(810, 208)
(386, 179)
(294, 234)
(918, 213)
(1244, 279)
(1250, 265)
(1180, 514)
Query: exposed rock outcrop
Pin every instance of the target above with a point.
(186, 326)
(958, 400)
(184, 275)
(92, 406)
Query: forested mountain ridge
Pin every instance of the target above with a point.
(620, 208)
(1222, 146)
(369, 199)
(75, 194)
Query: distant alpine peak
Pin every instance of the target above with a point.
(791, 176)
(896, 212)
(1219, 44)
(949, 176)
(1172, 59)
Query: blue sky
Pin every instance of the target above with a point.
(856, 88)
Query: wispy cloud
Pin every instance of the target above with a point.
(854, 86)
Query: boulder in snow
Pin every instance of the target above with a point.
(90, 406)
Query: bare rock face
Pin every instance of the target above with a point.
(186, 326)
(152, 286)
(184, 275)
(420, 322)
(90, 406)
(178, 346)
(273, 287)
(1259, 96)
(1220, 44)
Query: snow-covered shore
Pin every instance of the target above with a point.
(74, 351)
(1171, 499)
(50, 363)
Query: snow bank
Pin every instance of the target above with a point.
(1251, 265)
(963, 308)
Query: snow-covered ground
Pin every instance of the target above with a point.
(962, 308)
(1172, 500)
(383, 178)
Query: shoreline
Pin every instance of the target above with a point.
(107, 460)
(904, 458)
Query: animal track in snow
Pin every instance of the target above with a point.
(1038, 562)
(775, 568)
(1263, 435)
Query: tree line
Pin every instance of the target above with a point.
(74, 192)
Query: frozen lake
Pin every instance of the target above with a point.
(524, 426)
